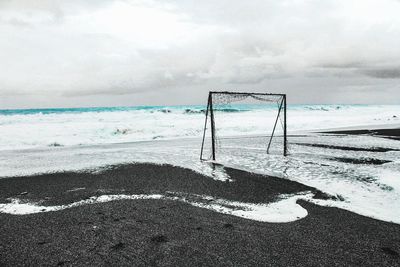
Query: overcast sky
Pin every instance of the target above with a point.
(56, 53)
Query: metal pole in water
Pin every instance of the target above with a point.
(284, 127)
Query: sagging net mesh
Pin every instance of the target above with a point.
(240, 124)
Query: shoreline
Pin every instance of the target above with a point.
(62, 188)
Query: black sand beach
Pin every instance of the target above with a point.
(170, 233)
(393, 133)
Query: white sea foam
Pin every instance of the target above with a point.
(284, 210)
(17, 207)
(35, 130)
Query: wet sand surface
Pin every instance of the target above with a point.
(393, 133)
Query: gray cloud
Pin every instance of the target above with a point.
(65, 49)
(386, 71)
(383, 73)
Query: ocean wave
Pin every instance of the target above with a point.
(194, 111)
(162, 110)
(197, 111)
(122, 131)
(203, 111)
(322, 108)
(231, 110)
(55, 144)
(157, 122)
(165, 110)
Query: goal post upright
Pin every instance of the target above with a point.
(276, 122)
(212, 126)
(284, 127)
(205, 126)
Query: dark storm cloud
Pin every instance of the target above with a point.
(346, 65)
(383, 73)
(367, 69)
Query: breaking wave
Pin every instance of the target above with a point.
(32, 128)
